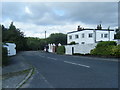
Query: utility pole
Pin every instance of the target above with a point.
(109, 32)
(45, 34)
(46, 46)
(94, 35)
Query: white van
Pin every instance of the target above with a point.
(11, 47)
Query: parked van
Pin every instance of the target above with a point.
(11, 47)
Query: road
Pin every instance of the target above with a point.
(63, 71)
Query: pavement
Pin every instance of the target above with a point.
(36, 69)
(15, 72)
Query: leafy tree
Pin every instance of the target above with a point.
(57, 38)
(35, 43)
(12, 34)
(117, 35)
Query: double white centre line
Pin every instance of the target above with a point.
(77, 64)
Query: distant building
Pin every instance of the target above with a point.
(89, 36)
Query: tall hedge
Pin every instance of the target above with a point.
(61, 50)
(4, 56)
(116, 50)
(106, 43)
(106, 48)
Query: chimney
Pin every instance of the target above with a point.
(79, 28)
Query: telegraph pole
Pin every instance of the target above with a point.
(46, 46)
(45, 34)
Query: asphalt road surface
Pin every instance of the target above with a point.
(63, 71)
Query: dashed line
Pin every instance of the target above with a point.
(52, 58)
(48, 57)
(77, 64)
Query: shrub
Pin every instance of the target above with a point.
(102, 50)
(72, 43)
(106, 48)
(60, 50)
(106, 43)
(116, 51)
(4, 56)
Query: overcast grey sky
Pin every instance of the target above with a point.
(34, 18)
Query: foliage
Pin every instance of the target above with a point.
(61, 50)
(102, 50)
(57, 38)
(4, 56)
(106, 48)
(106, 43)
(116, 50)
(117, 35)
(72, 43)
(35, 43)
(12, 34)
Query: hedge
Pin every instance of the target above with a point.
(116, 50)
(106, 43)
(102, 51)
(107, 48)
(60, 50)
(4, 56)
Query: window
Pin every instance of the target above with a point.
(101, 35)
(105, 35)
(70, 37)
(90, 35)
(76, 36)
(82, 42)
(83, 35)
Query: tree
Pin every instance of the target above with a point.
(117, 35)
(35, 43)
(12, 34)
(57, 38)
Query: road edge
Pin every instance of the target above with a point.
(26, 78)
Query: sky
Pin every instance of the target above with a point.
(34, 18)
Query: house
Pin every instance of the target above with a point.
(11, 47)
(87, 39)
(89, 36)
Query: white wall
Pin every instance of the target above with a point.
(68, 49)
(79, 48)
(11, 47)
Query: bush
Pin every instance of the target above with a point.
(116, 51)
(4, 56)
(105, 48)
(72, 43)
(106, 43)
(102, 51)
(61, 50)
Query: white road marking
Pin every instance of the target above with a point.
(77, 64)
(52, 58)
